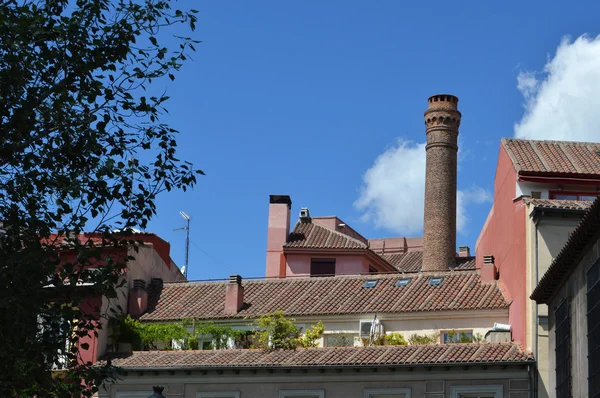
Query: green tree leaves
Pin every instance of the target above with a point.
(82, 148)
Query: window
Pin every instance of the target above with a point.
(322, 267)
(492, 391)
(593, 329)
(302, 393)
(387, 393)
(435, 280)
(55, 331)
(369, 284)
(563, 350)
(456, 336)
(219, 394)
(339, 340)
(564, 195)
(403, 282)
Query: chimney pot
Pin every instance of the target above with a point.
(442, 120)
(138, 298)
(234, 295)
(464, 251)
(304, 214)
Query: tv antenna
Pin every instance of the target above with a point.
(187, 242)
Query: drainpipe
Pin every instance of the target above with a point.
(536, 376)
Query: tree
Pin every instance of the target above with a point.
(276, 331)
(83, 148)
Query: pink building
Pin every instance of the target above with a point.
(326, 246)
(151, 266)
(541, 191)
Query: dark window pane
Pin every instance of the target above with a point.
(322, 267)
(565, 196)
(563, 350)
(593, 328)
(590, 198)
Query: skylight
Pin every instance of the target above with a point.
(369, 284)
(403, 282)
(435, 280)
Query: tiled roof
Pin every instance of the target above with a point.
(473, 353)
(562, 157)
(412, 261)
(315, 236)
(587, 231)
(560, 204)
(327, 296)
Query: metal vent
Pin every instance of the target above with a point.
(304, 214)
(139, 284)
(488, 259)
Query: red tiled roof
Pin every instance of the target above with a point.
(560, 204)
(473, 353)
(316, 236)
(327, 296)
(562, 157)
(586, 232)
(412, 261)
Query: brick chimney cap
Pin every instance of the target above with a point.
(443, 98)
(281, 199)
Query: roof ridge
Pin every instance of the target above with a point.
(573, 161)
(537, 152)
(489, 292)
(582, 143)
(477, 353)
(458, 295)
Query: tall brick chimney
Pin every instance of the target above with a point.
(442, 120)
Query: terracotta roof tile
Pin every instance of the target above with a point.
(316, 236)
(327, 296)
(560, 204)
(412, 261)
(587, 231)
(563, 157)
(324, 357)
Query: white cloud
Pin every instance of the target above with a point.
(561, 101)
(393, 191)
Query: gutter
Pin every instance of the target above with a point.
(291, 367)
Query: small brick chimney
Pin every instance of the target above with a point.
(138, 299)
(279, 229)
(442, 120)
(234, 295)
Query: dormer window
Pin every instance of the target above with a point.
(435, 280)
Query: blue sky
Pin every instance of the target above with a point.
(303, 98)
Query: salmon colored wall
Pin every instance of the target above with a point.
(278, 230)
(92, 306)
(299, 264)
(504, 238)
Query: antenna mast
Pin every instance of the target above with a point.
(187, 242)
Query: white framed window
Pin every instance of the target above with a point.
(491, 391)
(302, 393)
(218, 394)
(387, 393)
(340, 340)
(456, 336)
